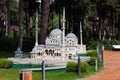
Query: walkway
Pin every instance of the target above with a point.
(112, 67)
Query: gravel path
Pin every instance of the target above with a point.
(112, 67)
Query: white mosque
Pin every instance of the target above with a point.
(58, 46)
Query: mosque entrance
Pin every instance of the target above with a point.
(49, 52)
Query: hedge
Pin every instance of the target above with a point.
(5, 63)
(92, 44)
(92, 53)
(73, 67)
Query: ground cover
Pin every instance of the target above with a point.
(13, 74)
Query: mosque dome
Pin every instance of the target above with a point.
(71, 35)
(56, 32)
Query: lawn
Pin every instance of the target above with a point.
(13, 74)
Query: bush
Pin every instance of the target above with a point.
(5, 63)
(92, 61)
(92, 53)
(84, 66)
(92, 44)
(71, 67)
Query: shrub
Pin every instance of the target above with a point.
(92, 61)
(5, 63)
(92, 53)
(71, 67)
(84, 66)
(92, 44)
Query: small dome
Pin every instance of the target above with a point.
(71, 35)
(56, 32)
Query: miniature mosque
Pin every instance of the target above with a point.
(58, 46)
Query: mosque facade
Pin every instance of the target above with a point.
(54, 47)
(58, 46)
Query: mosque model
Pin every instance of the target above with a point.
(58, 46)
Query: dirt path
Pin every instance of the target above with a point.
(112, 67)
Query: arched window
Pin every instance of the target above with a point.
(57, 54)
(39, 54)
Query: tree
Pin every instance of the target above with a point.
(30, 8)
(2, 18)
(21, 28)
(44, 20)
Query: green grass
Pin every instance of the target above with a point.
(9, 74)
(55, 76)
(13, 74)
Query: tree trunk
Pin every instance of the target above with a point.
(21, 24)
(44, 21)
(30, 26)
(26, 23)
(100, 28)
(8, 14)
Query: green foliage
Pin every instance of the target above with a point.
(108, 44)
(92, 44)
(92, 53)
(84, 66)
(5, 63)
(71, 67)
(92, 61)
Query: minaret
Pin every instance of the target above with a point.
(63, 34)
(36, 35)
(81, 34)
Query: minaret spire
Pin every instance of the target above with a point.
(63, 35)
(36, 35)
(81, 34)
